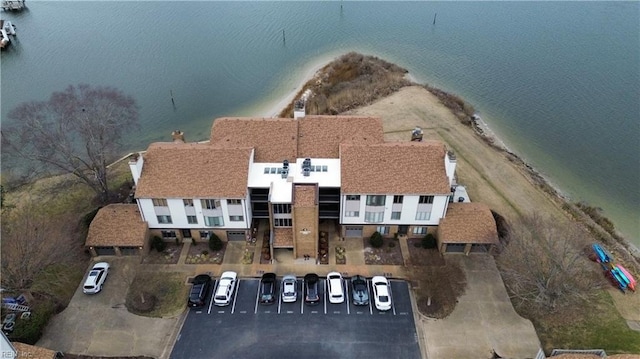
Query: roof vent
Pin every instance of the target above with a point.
(416, 134)
(306, 171)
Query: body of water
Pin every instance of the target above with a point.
(559, 82)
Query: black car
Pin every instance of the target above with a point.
(268, 288)
(199, 291)
(311, 295)
(359, 290)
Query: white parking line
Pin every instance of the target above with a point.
(255, 310)
(213, 290)
(370, 289)
(346, 294)
(326, 297)
(393, 302)
(302, 298)
(279, 294)
(235, 296)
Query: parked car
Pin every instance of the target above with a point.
(336, 290)
(268, 288)
(381, 294)
(225, 288)
(289, 290)
(96, 277)
(311, 295)
(359, 290)
(199, 290)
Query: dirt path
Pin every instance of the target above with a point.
(488, 174)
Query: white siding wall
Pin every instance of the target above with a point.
(407, 215)
(176, 210)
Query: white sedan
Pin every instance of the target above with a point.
(95, 279)
(381, 293)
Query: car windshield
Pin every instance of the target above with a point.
(384, 298)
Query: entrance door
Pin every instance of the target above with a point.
(403, 229)
(186, 233)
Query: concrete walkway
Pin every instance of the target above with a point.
(483, 320)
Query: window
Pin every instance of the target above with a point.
(325, 168)
(353, 197)
(210, 203)
(352, 214)
(187, 202)
(425, 199)
(395, 215)
(398, 199)
(282, 222)
(164, 219)
(159, 202)
(192, 220)
(205, 234)
(236, 218)
(213, 221)
(168, 234)
(383, 229)
(282, 208)
(419, 230)
(422, 216)
(373, 216)
(375, 200)
(234, 201)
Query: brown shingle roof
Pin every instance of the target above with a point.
(304, 195)
(273, 139)
(394, 168)
(468, 223)
(321, 136)
(33, 352)
(187, 170)
(283, 237)
(117, 225)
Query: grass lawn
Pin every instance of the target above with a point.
(168, 289)
(595, 325)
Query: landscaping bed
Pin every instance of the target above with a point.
(423, 256)
(389, 253)
(200, 253)
(170, 255)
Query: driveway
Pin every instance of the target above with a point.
(483, 320)
(100, 324)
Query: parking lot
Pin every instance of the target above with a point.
(247, 329)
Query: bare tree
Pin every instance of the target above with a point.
(75, 131)
(32, 240)
(544, 266)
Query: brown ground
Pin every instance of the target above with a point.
(170, 255)
(389, 254)
(202, 254)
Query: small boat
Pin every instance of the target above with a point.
(9, 28)
(617, 279)
(602, 255)
(632, 281)
(4, 41)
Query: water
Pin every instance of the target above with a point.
(558, 82)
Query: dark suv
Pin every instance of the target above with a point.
(311, 295)
(268, 288)
(199, 291)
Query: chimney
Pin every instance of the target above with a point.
(450, 166)
(416, 134)
(178, 136)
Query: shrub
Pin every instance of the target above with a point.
(215, 243)
(158, 244)
(376, 240)
(392, 244)
(30, 330)
(429, 241)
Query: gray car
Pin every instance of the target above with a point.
(289, 291)
(359, 290)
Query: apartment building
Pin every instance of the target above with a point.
(290, 175)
